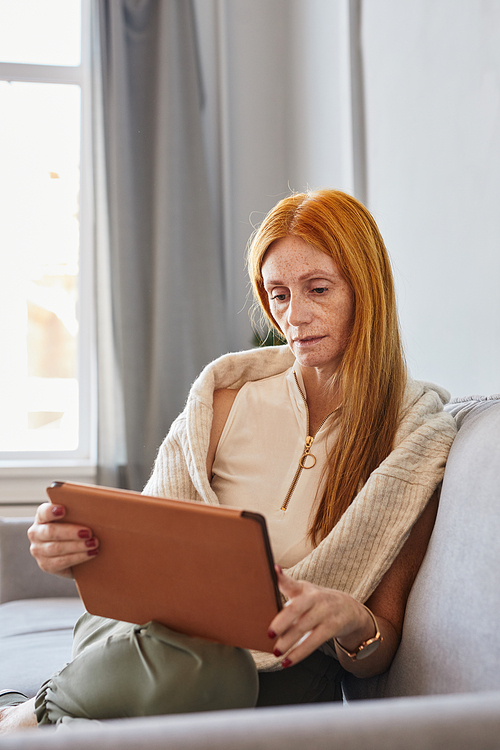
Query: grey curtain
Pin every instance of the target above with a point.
(160, 308)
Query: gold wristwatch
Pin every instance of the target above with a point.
(367, 647)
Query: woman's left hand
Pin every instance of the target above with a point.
(316, 614)
(313, 615)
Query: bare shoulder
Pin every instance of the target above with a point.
(223, 402)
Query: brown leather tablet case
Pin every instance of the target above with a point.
(202, 570)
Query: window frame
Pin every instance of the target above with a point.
(24, 475)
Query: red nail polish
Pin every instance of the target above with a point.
(271, 633)
(90, 543)
(278, 568)
(277, 652)
(57, 511)
(286, 663)
(92, 552)
(84, 534)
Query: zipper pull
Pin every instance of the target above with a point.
(307, 452)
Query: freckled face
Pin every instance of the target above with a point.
(310, 300)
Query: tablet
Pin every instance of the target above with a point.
(202, 570)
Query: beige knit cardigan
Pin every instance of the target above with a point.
(364, 543)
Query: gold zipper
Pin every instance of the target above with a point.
(307, 449)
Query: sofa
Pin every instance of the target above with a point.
(443, 687)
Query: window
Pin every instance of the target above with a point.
(46, 395)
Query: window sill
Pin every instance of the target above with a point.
(25, 483)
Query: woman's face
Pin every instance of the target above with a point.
(310, 300)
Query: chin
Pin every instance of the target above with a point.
(311, 360)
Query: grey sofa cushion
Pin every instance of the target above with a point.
(20, 576)
(35, 640)
(450, 638)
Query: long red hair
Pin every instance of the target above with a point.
(372, 375)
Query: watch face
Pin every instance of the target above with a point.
(367, 649)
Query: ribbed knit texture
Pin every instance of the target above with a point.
(365, 542)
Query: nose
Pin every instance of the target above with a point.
(299, 311)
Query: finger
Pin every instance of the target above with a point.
(291, 613)
(64, 564)
(311, 641)
(56, 555)
(311, 621)
(56, 548)
(48, 512)
(288, 586)
(48, 532)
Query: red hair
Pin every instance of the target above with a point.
(372, 374)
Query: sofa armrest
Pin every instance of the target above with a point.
(431, 722)
(20, 576)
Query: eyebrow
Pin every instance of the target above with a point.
(314, 273)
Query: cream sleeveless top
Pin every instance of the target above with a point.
(257, 463)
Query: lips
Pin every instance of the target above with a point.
(307, 341)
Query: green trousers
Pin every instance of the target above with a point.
(119, 670)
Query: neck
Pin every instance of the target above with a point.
(323, 395)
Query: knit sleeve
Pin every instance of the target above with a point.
(170, 477)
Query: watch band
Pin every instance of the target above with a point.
(367, 647)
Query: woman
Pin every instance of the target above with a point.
(329, 439)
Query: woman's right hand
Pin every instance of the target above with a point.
(57, 547)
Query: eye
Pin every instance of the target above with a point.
(320, 289)
(278, 297)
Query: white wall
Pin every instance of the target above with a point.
(432, 82)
